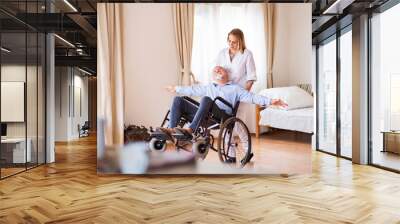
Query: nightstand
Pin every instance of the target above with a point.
(391, 141)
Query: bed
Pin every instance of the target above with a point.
(297, 119)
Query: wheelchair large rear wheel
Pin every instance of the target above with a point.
(234, 142)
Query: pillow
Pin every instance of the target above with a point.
(294, 96)
(306, 87)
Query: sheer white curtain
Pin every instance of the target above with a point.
(213, 22)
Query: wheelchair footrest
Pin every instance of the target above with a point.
(181, 136)
(160, 135)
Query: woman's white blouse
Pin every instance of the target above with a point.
(242, 67)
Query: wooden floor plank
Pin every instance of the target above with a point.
(70, 191)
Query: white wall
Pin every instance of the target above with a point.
(33, 127)
(151, 62)
(293, 44)
(17, 73)
(61, 103)
(66, 119)
(282, 50)
(79, 117)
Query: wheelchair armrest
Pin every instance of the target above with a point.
(224, 102)
(191, 100)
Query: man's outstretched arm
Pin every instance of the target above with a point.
(249, 97)
(194, 90)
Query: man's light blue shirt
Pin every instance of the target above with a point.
(229, 92)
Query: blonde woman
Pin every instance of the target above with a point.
(237, 60)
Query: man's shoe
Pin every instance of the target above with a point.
(182, 134)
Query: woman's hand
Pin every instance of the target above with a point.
(279, 103)
(170, 89)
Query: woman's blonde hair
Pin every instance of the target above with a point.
(238, 34)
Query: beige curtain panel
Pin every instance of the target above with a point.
(110, 76)
(269, 22)
(183, 23)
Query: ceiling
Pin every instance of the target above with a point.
(74, 22)
(332, 15)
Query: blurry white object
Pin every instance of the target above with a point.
(100, 138)
(294, 96)
(134, 158)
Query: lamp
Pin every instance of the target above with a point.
(64, 40)
(84, 71)
(5, 50)
(70, 5)
(337, 7)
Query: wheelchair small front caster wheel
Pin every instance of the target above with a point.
(157, 145)
(200, 149)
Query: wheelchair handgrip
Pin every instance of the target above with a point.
(223, 101)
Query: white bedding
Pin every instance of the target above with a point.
(301, 120)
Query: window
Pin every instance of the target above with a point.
(335, 94)
(346, 94)
(22, 77)
(213, 22)
(394, 101)
(385, 88)
(327, 96)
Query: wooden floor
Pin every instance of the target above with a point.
(287, 153)
(10, 171)
(70, 191)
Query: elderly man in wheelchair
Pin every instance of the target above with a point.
(191, 121)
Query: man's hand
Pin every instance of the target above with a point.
(278, 103)
(170, 89)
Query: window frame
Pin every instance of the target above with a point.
(371, 13)
(334, 37)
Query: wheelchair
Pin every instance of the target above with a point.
(233, 134)
(84, 129)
